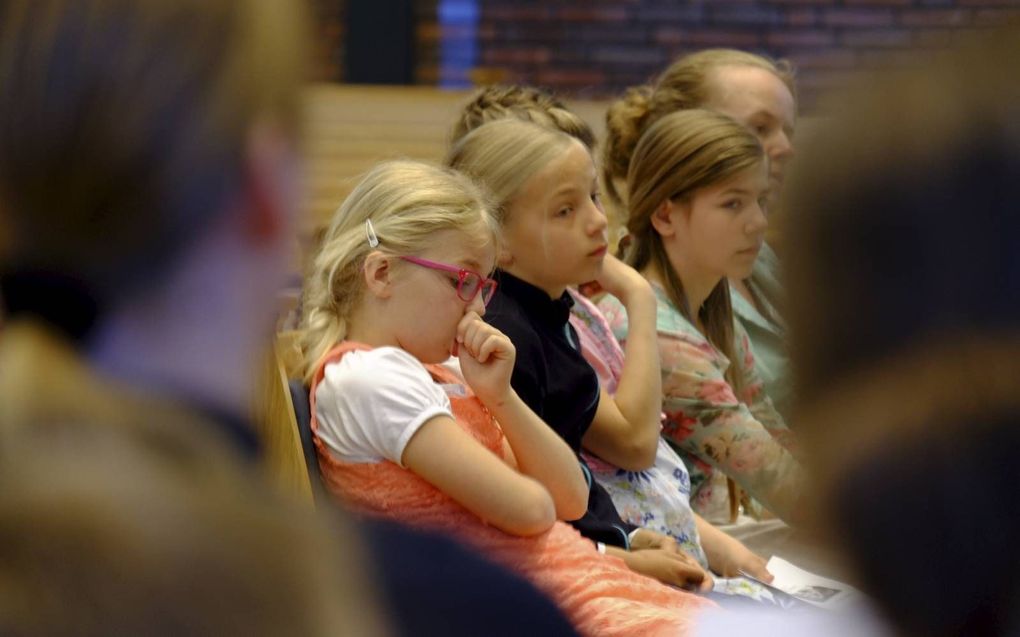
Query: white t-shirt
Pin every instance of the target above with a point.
(370, 403)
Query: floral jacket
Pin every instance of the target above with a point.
(718, 434)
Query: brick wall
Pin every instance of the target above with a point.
(595, 48)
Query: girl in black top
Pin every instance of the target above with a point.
(554, 236)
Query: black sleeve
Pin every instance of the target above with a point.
(602, 522)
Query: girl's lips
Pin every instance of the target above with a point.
(599, 252)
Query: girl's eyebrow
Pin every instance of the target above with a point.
(566, 189)
(468, 263)
(744, 192)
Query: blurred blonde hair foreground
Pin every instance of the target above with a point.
(145, 149)
(126, 123)
(103, 533)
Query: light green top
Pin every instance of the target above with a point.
(767, 330)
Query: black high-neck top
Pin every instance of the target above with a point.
(550, 374)
(552, 377)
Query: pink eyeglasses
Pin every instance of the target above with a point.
(469, 282)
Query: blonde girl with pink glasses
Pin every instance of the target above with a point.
(399, 285)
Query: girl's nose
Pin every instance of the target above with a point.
(759, 220)
(780, 148)
(598, 221)
(477, 305)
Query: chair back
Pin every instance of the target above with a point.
(275, 412)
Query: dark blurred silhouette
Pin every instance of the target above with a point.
(904, 287)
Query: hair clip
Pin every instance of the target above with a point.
(373, 238)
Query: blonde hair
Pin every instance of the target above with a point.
(678, 155)
(167, 540)
(685, 84)
(503, 155)
(497, 102)
(407, 203)
(109, 172)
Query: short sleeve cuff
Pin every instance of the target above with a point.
(414, 426)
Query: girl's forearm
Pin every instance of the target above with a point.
(713, 540)
(639, 390)
(544, 456)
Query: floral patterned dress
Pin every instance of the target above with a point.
(717, 433)
(657, 498)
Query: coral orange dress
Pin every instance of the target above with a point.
(599, 593)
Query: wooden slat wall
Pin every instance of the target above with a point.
(350, 128)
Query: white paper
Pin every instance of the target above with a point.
(813, 589)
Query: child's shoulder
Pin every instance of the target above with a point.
(386, 355)
(670, 321)
(366, 369)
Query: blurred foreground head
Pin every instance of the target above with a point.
(147, 187)
(130, 129)
(148, 545)
(904, 282)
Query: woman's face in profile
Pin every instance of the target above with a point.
(758, 99)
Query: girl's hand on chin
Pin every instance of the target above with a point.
(623, 281)
(486, 358)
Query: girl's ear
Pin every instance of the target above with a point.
(665, 218)
(378, 274)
